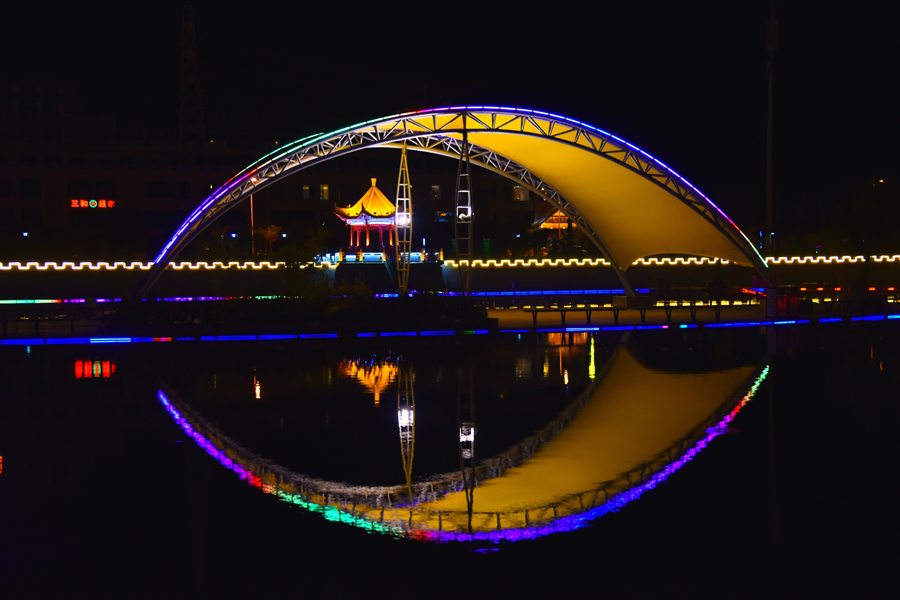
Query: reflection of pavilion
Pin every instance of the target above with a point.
(371, 213)
(629, 431)
(375, 376)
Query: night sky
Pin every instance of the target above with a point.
(688, 85)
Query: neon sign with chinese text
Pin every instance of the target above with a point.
(82, 203)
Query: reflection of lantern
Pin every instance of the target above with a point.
(94, 369)
(406, 419)
(467, 439)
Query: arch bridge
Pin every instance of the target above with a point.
(628, 203)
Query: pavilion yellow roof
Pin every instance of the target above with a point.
(373, 203)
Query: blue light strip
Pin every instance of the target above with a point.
(67, 341)
(290, 336)
(536, 293)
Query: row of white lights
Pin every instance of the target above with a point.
(560, 262)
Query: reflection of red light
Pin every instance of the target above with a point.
(90, 368)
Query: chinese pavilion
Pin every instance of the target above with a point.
(372, 213)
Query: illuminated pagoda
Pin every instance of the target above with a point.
(556, 220)
(372, 213)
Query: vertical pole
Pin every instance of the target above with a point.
(771, 45)
(465, 218)
(252, 245)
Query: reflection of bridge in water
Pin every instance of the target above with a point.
(625, 433)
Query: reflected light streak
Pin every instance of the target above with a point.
(592, 366)
(614, 504)
(267, 484)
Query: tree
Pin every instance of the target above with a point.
(270, 234)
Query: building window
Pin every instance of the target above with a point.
(436, 193)
(92, 189)
(305, 192)
(323, 191)
(520, 193)
(167, 190)
(30, 188)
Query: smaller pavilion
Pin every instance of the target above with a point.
(371, 213)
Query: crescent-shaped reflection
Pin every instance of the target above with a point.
(627, 432)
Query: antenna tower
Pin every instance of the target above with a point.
(190, 133)
(403, 224)
(465, 218)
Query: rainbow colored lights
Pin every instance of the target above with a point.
(331, 513)
(245, 181)
(396, 334)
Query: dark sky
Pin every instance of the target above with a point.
(686, 84)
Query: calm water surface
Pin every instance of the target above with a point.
(101, 490)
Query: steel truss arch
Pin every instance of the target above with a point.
(440, 131)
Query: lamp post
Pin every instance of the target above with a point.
(252, 244)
